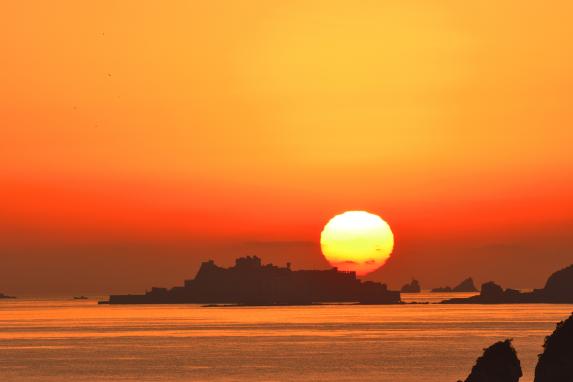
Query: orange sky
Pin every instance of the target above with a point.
(139, 138)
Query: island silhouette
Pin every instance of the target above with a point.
(2, 295)
(558, 290)
(249, 282)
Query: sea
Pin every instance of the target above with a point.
(61, 339)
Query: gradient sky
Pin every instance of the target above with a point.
(140, 138)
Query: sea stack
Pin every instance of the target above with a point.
(412, 287)
(499, 363)
(466, 286)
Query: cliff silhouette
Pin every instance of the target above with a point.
(556, 361)
(499, 363)
(465, 286)
(412, 287)
(558, 290)
(249, 282)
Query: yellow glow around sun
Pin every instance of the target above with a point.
(357, 241)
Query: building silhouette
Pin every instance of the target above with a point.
(249, 282)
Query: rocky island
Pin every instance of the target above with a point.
(2, 295)
(465, 286)
(558, 290)
(249, 282)
(412, 287)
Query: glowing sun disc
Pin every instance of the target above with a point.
(357, 241)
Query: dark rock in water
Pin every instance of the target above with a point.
(412, 287)
(556, 362)
(499, 363)
(557, 290)
(466, 286)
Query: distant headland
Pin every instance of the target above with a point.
(2, 295)
(558, 290)
(249, 282)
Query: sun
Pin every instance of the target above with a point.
(357, 241)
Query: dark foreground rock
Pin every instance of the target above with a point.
(556, 362)
(499, 363)
(412, 287)
(557, 290)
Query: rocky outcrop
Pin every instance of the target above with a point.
(556, 362)
(465, 286)
(499, 363)
(557, 290)
(412, 287)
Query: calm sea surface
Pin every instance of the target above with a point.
(66, 340)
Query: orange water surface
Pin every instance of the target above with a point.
(63, 340)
